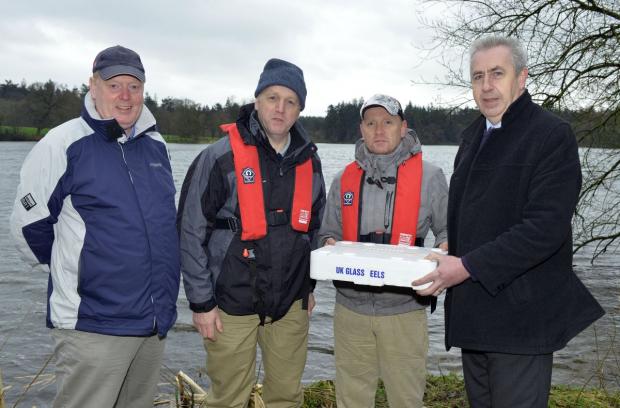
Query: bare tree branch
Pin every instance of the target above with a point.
(574, 64)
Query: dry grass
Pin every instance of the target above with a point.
(441, 392)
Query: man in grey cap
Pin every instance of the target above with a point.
(95, 204)
(250, 207)
(388, 195)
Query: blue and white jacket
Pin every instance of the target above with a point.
(99, 210)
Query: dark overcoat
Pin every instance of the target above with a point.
(509, 214)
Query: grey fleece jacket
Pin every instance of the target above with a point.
(377, 205)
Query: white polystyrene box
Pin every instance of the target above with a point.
(372, 264)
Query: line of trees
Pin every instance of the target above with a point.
(45, 105)
(38, 105)
(435, 125)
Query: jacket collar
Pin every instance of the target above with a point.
(516, 108)
(512, 114)
(110, 127)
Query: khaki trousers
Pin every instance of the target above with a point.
(96, 370)
(231, 359)
(393, 348)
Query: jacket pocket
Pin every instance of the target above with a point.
(520, 291)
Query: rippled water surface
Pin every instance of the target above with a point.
(26, 346)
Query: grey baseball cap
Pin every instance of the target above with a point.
(118, 60)
(391, 105)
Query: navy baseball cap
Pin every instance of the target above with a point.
(118, 60)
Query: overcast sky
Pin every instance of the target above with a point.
(210, 50)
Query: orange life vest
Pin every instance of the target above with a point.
(250, 189)
(406, 201)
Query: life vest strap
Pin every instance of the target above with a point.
(273, 218)
(250, 193)
(231, 223)
(406, 200)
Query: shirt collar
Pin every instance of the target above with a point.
(493, 126)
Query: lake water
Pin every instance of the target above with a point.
(26, 345)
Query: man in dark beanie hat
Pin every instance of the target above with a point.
(96, 205)
(249, 211)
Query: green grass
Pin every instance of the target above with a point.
(441, 392)
(28, 134)
(28, 131)
(188, 139)
(320, 394)
(448, 391)
(565, 397)
(15, 133)
(445, 391)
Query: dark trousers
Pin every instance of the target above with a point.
(498, 380)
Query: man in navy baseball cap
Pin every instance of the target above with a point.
(117, 87)
(96, 204)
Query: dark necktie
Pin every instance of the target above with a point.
(485, 135)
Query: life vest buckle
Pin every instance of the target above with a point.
(277, 217)
(234, 224)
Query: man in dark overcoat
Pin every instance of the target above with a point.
(512, 296)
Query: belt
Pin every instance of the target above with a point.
(384, 238)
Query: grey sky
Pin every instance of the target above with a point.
(208, 50)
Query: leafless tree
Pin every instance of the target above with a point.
(574, 64)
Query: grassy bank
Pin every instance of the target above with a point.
(449, 392)
(188, 140)
(443, 392)
(30, 134)
(20, 134)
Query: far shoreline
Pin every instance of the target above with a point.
(19, 136)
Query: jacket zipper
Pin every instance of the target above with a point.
(388, 209)
(154, 315)
(131, 179)
(125, 161)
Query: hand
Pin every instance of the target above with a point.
(311, 303)
(449, 272)
(206, 323)
(329, 241)
(443, 246)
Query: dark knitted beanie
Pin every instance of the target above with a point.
(280, 72)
